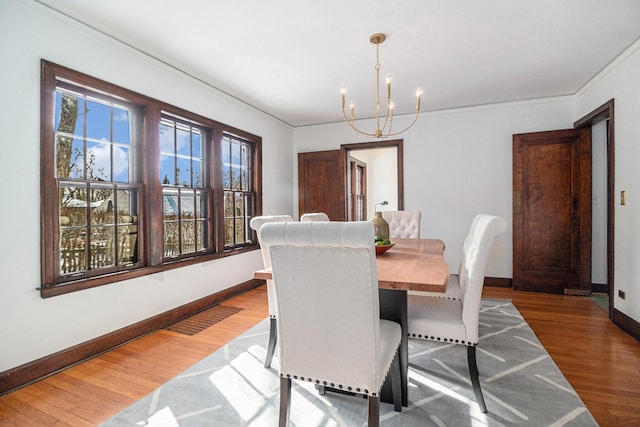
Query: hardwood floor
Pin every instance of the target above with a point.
(600, 361)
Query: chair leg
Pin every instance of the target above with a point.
(285, 401)
(374, 411)
(273, 337)
(395, 383)
(475, 381)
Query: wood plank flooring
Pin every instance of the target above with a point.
(599, 360)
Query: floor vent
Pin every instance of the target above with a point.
(201, 321)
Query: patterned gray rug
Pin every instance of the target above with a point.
(521, 384)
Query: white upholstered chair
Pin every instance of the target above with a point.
(314, 217)
(403, 224)
(255, 224)
(456, 321)
(453, 287)
(329, 327)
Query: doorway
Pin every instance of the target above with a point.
(601, 122)
(384, 174)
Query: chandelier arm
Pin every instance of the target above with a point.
(350, 123)
(415, 119)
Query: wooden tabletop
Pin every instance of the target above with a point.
(412, 264)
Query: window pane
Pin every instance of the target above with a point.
(183, 139)
(98, 161)
(240, 230)
(76, 162)
(98, 117)
(228, 231)
(73, 205)
(72, 250)
(102, 252)
(127, 244)
(244, 179)
(239, 210)
(101, 204)
(170, 205)
(201, 201)
(188, 236)
(184, 172)
(171, 239)
(228, 204)
(167, 170)
(166, 138)
(187, 204)
(235, 154)
(196, 173)
(126, 201)
(226, 163)
(121, 164)
(202, 231)
(68, 117)
(121, 126)
(196, 145)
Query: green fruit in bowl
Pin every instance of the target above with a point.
(377, 239)
(386, 242)
(379, 243)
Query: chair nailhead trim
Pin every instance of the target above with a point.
(456, 341)
(332, 385)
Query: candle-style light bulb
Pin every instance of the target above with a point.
(343, 90)
(418, 95)
(388, 79)
(352, 107)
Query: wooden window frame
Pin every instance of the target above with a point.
(150, 224)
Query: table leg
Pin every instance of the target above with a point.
(393, 306)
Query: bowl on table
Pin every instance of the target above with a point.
(381, 249)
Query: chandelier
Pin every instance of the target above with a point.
(380, 132)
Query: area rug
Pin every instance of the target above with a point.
(522, 386)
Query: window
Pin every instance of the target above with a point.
(132, 186)
(96, 182)
(238, 192)
(185, 192)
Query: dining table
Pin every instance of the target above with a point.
(410, 265)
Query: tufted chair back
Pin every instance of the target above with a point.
(403, 224)
(456, 320)
(487, 228)
(329, 325)
(256, 224)
(314, 217)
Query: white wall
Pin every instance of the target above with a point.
(32, 327)
(457, 163)
(621, 81)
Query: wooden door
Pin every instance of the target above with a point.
(321, 183)
(552, 211)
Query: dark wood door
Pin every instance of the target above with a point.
(552, 211)
(321, 183)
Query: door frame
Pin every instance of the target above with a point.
(602, 113)
(347, 148)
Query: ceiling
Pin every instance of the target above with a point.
(289, 58)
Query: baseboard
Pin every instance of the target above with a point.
(626, 323)
(498, 282)
(28, 373)
(600, 288)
